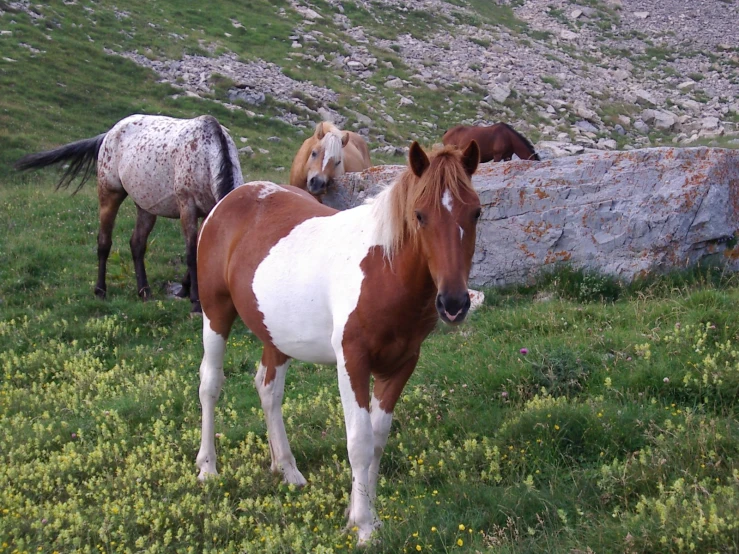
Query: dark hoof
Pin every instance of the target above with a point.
(182, 293)
(196, 308)
(145, 293)
(100, 293)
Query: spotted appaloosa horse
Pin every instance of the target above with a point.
(176, 168)
(497, 142)
(360, 288)
(327, 154)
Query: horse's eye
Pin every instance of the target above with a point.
(313, 154)
(338, 163)
(419, 217)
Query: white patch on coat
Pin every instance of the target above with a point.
(446, 200)
(332, 148)
(267, 188)
(310, 282)
(461, 232)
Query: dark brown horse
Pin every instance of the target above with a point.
(497, 142)
(361, 289)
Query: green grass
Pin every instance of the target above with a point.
(613, 430)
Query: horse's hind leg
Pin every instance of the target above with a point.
(144, 224)
(215, 335)
(189, 221)
(270, 383)
(109, 200)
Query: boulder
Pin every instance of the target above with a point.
(620, 213)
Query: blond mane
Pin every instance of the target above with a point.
(332, 147)
(394, 208)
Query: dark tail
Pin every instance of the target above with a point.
(226, 169)
(81, 155)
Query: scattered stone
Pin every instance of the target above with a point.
(574, 14)
(586, 126)
(566, 34)
(583, 111)
(394, 83)
(661, 119)
(608, 144)
(686, 85)
(645, 98)
(641, 15)
(710, 123)
(640, 126)
(274, 139)
(247, 151)
(253, 98)
(621, 74)
(499, 93)
(307, 12)
(619, 129)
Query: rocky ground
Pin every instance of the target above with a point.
(573, 75)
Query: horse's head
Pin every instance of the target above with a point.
(326, 158)
(442, 212)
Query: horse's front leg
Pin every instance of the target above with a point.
(354, 389)
(144, 224)
(387, 389)
(270, 383)
(189, 221)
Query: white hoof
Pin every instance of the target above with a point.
(291, 476)
(205, 474)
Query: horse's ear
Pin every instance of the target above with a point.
(471, 157)
(344, 139)
(417, 159)
(319, 131)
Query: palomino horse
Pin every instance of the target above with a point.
(497, 142)
(328, 153)
(177, 168)
(360, 288)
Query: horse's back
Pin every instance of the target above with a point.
(356, 153)
(152, 157)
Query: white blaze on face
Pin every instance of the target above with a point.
(446, 200)
(331, 149)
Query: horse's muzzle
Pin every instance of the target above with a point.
(453, 308)
(317, 185)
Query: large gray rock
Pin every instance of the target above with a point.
(621, 213)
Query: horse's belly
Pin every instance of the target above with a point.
(158, 203)
(299, 325)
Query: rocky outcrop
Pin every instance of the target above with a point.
(621, 213)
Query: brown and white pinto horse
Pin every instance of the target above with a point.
(497, 142)
(360, 288)
(327, 154)
(176, 168)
